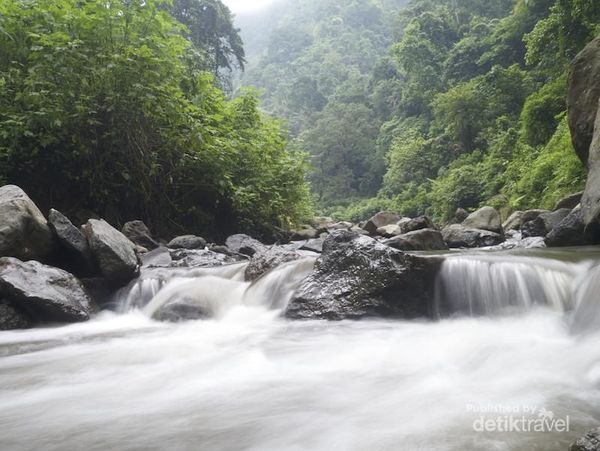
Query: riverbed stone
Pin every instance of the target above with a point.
(358, 277)
(264, 261)
(244, 244)
(419, 240)
(459, 236)
(187, 242)
(24, 231)
(138, 233)
(381, 219)
(113, 252)
(11, 318)
(44, 292)
(486, 218)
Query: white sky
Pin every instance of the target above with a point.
(238, 6)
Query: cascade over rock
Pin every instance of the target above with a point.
(357, 277)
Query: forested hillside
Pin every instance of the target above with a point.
(423, 109)
(114, 109)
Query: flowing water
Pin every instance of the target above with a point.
(518, 336)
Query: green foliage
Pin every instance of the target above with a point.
(104, 107)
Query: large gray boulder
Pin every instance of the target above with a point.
(589, 442)
(381, 219)
(187, 242)
(24, 232)
(389, 231)
(357, 277)
(418, 240)
(138, 233)
(530, 215)
(43, 292)
(459, 236)
(418, 223)
(486, 218)
(244, 244)
(264, 261)
(113, 252)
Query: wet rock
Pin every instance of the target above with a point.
(43, 292)
(358, 277)
(112, 251)
(187, 242)
(264, 261)
(76, 255)
(381, 219)
(544, 223)
(419, 240)
(589, 442)
(569, 202)
(244, 244)
(138, 233)
(11, 318)
(571, 231)
(459, 236)
(24, 232)
(486, 218)
(359, 230)
(322, 223)
(342, 225)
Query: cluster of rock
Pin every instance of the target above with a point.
(54, 271)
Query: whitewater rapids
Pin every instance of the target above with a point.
(247, 379)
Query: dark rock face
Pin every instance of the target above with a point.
(44, 292)
(419, 240)
(419, 223)
(533, 228)
(113, 252)
(381, 219)
(582, 100)
(138, 233)
(571, 231)
(24, 232)
(187, 242)
(244, 244)
(544, 223)
(358, 277)
(76, 255)
(11, 318)
(262, 262)
(486, 218)
(457, 236)
(530, 215)
(569, 202)
(589, 442)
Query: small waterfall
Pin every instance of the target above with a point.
(494, 284)
(210, 292)
(586, 317)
